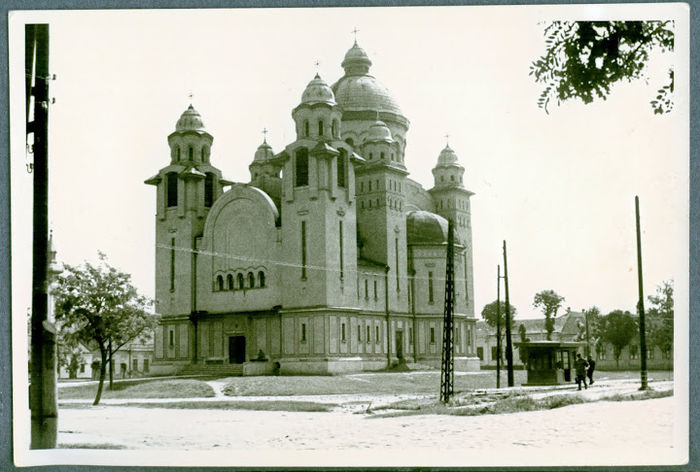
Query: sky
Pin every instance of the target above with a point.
(558, 187)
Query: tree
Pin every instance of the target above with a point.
(583, 59)
(660, 317)
(490, 314)
(618, 328)
(589, 330)
(549, 302)
(98, 305)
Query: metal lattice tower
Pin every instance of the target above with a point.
(448, 346)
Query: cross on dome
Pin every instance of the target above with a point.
(447, 139)
(264, 131)
(355, 31)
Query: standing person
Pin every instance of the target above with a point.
(581, 365)
(591, 368)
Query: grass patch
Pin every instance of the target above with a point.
(514, 403)
(272, 405)
(91, 446)
(175, 388)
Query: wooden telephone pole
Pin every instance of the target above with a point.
(640, 304)
(42, 390)
(498, 328)
(448, 347)
(509, 343)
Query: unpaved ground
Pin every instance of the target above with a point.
(594, 433)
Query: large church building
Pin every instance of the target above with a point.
(330, 259)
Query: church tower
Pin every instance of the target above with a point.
(452, 203)
(186, 189)
(265, 172)
(318, 204)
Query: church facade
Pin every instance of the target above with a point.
(330, 259)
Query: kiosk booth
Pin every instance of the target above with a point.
(549, 362)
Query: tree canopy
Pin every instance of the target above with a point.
(490, 314)
(98, 306)
(549, 302)
(583, 59)
(617, 328)
(660, 317)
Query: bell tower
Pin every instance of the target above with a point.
(452, 202)
(186, 189)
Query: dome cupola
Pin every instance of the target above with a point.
(448, 172)
(190, 120)
(263, 153)
(356, 61)
(379, 131)
(318, 91)
(447, 156)
(424, 227)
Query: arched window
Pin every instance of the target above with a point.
(209, 190)
(371, 156)
(442, 178)
(362, 186)
(306, 128)
(381, 155)
(320, 127)
(342, 158)
(261, 279)
(452, 178)
(177, 152)
(171, 189)
(219, 282)
(302, 167)
(392, 156)
(251, 280)
(229, 281)
(191, 153)
(239, 278)
(350, 141)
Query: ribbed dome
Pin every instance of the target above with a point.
(359, 91)
(447, 156)
(318, 91)
(263, 153)
(425, 227)
(190, 120)
(379, 131)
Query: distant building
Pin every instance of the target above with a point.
(330, 259)
(570, 326)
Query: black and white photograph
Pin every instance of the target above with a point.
(389, 236)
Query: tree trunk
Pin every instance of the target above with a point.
(111, 367)
(103, 355)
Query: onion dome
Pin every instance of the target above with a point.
(263, 153)
(190, 120)
(447, 156)
(359, 91)
(379, 131)
(424, 227)
(318, 91)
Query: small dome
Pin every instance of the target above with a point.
(447, 156)
(356, 61)
(379, 131)
(318, 91)
(190, 120)
(263, 153)
(426, 227)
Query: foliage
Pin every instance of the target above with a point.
(583, 59)
(592, 335)
(550, 302)
(617, 328)
(660, 317)
(490, 313)
(97, 305)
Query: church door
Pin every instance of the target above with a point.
(399, 344)
(236, 349)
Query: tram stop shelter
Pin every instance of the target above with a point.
(549, 362)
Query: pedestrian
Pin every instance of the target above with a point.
(591, 368)
(581, 365)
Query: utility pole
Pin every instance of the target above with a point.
(640, 304)
(509, 344)
(498, 328)
(588, 339)
(447, 371)
(42, 390)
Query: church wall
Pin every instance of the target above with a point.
(417, 198)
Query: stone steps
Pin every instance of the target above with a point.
(213, 369)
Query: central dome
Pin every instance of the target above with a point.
(359, 91)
